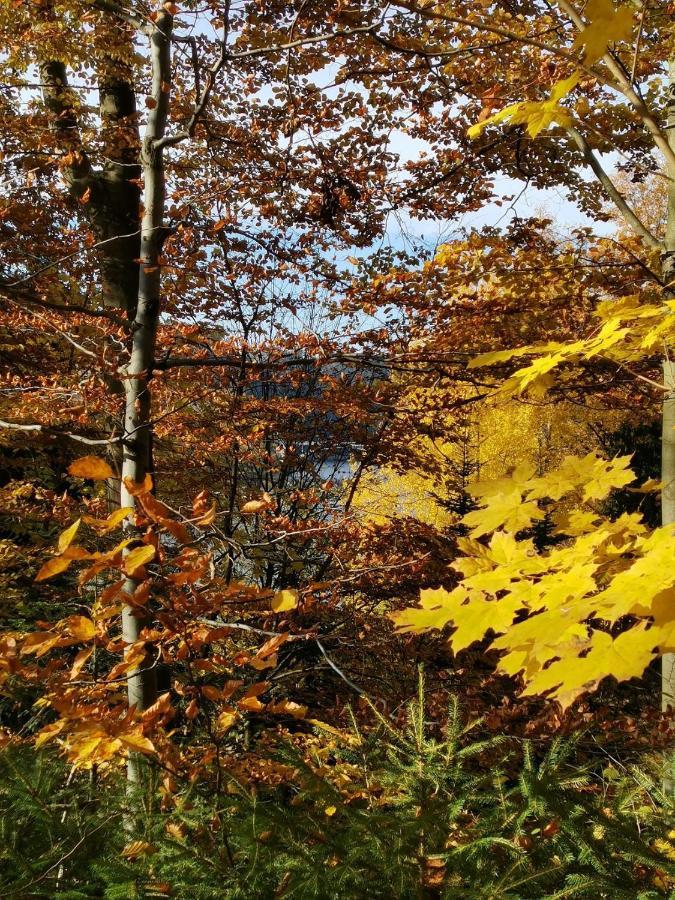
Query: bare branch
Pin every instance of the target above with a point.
(610, 189)
(55, 433)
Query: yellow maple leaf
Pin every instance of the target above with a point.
(503, 511)
(494, 357)
(606, 475)
(595, 476)
(435, 611)
(469, 611)
(575, 522)
(536, 115)
(478, 616)
(625, 657)
(502, 503)
(606, 23)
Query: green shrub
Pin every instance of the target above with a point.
(396, 813)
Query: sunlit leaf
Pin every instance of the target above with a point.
(285, 600)
(66, 537)
(91, 467)
(138, 557)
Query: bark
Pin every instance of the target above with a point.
(113, 195)
(668, 431)
(137, 443)
(117, 191)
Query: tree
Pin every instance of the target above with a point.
(187, 251)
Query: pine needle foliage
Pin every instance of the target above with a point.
(412, 811)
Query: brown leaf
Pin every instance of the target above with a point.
(53, 567)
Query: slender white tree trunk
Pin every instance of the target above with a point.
(668, 431)
(142, 684)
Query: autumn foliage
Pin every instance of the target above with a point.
(269, 451)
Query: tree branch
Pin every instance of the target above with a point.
(54, 433)
(610, 189)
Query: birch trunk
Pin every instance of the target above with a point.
(136, 463)
(668, 416)
(668, 429)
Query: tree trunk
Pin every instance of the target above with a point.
(668, 429)
(668, 418)
(142, 683)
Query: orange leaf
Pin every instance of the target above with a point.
(49, 732)
(150, 102)
(137, 741)
(91, 467)
(137, 848)
(200, 503)
(251, 704)
(80, 661)
(288, 708)
(227, 718)
(270, 646)
(75, 552)
(141, 595)
(113, 520)
(154, 507)
(138, 488)
(179, 531)
(209, 517)
(111, 592)
(211, 692)
(252, 507)
(256, 689)
(35, 640)
(260, 664)
(81, 627)
(53, 567)
(160, 707)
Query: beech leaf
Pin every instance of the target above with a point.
(91, 467)
(138, 557)
(285, 600)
